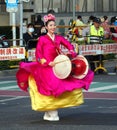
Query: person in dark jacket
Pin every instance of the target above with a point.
(29, 36)
(38, 25)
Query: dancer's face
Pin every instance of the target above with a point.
(51, 27)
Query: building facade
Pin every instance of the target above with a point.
(62, 8)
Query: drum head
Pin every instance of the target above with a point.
(63, 66)
(82, 65)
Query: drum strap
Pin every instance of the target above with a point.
(58, 50)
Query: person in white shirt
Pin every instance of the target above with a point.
(79, 22)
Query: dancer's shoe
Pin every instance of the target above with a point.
(51, 116)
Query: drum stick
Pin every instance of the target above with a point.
(65, 60)
(60, 61)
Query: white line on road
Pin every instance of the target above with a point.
(102, 88)
(11, 99)
(13, 81)
(7, 88)
(94, 82)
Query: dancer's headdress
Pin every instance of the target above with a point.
(49, 17)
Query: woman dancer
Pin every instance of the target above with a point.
(49, 93)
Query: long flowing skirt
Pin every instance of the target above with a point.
(41, 102)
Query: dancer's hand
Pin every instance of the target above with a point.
(73, 53)
(52, 64)
(43, 61)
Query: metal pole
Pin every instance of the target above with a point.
(14, 28)
(74, 9)
(21, 23)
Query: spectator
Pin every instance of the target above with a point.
(43, 31)
(93, 30)
(115, 22)
(90, 21)
(93, 35)
(79, 22)
(39, 21)
(113, 30)
(29, 35)
(105, 25)
(112, 20)
(38, 25)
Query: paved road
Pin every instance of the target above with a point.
(99, 112)
(92, 115)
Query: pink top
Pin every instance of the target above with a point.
(49, 49)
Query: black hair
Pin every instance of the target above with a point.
(30, 24)
(91, 17)
(113, 19)
(51, 11)
(105, 17)
(46, 23)
(79, 16)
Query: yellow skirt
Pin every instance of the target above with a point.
(41, 102)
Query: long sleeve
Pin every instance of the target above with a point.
(38, 52)
(66, 43)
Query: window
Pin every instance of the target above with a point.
(2, 6)
(66, 6)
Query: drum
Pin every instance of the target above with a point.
(77, 67)
(80, 67)
(63, 66)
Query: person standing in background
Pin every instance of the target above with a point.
(90, 20)
(29, 33)
(38, 25)
(93, 35)
(94, 30)
(113, 29)
(79, 23)
(105, 25)
(28, 36)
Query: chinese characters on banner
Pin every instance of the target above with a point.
(12, 53)
(97, 49)
(94, 49)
